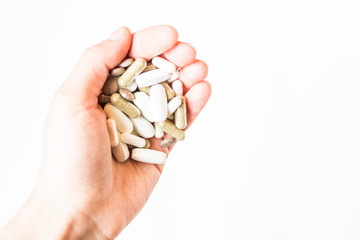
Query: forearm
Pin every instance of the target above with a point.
(36, 220)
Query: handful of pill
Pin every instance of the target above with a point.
(140, 104)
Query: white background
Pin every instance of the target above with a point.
(275, 153)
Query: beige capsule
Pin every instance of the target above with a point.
(170, 128)
(180, 114)
(113, 133)
(125, 106)
(121, 151)
(131, 72)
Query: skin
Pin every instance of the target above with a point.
(81, 191)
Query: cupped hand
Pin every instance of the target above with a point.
(79, 176)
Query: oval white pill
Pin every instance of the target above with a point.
(143, 127)
(123, 123)
(173, 105)
(152, 77)
(158, 103)
(177, 86)
(148, 156)
(142, 101)
(163, 64)
(121, 151)
(133, 140)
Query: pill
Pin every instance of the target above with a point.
(158, 132)
(174, 76)
(180, 114)
(149, 67)
(173, 105)
(126, 62)
(158, 103)
(132, 87)
(142, 101)
(103, 98)
(123, 123)
(132, 140)
(169, 92)
(163, 64)
(151, 77)
(125, 106)
(177, 87)
(171, 117)
(143, 127)
(117, 71)
(110, 86)
(126, 94)
(111, 126)
(121, 151)
(131, 72)
(168, 142)
(148, 156)
(170, 128)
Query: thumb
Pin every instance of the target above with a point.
(90, 72)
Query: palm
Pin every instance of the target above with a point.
(77, 155)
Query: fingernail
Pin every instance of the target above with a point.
(118, 34)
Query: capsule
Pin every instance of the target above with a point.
(180, 114)
(170, 128)
(132, 140)
(163, 64)
(149, 67)
(111, 126)
(125, 106)
(152, 77)
(148, 156)
(123, 123)
(121, 151)
(158, 103)
(131, 72)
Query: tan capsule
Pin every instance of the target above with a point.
(149, 67)
(168, 142)
(103, 98)
(180, 114)
(169, 92)
(170, 128)
(145, 89)
(171, 117)
(127, 94)
(131, 72)
(125, 106)
(117, 71)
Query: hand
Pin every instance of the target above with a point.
(80, 184)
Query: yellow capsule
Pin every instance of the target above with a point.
(171, 129)
(131, 72)
(145, 90)
(125, 106)
(180, 114)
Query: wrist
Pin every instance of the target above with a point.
(38, 220)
